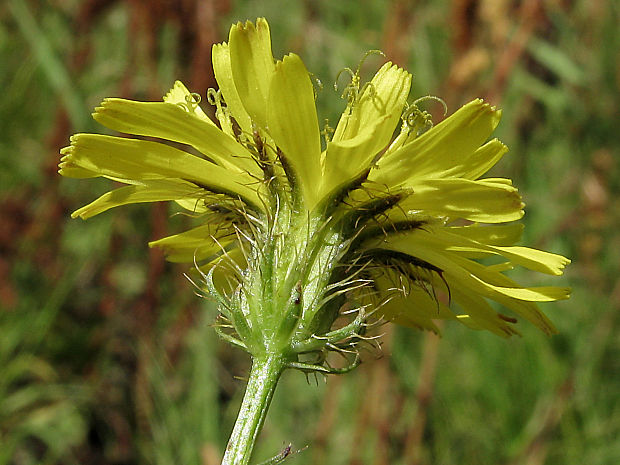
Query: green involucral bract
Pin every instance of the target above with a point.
(303, 244)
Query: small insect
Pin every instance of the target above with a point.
(298, 292)
(258, 142)
(286, 452)
(509, 319)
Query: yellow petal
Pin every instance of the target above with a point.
(384, 96)
(195, 244)
(479, 279)
(128, 160)
(223, 74)
(252, 66)
(149, 191)
(533, 259)
(347, 159)
(536, 260)
(469, 283)
(529, 311)
(503, 285)
(506, 292)
(416, 308)
(506, 234)
(173, 122)
(530, 294)
(479, 162)
(484, 201)
(480, 313)
(68, 168)
(441, 148)
(409, 305)
(293, 122)
(449, 239)
(180, 95)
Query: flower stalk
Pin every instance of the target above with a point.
(262, 382)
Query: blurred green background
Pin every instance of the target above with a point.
(106, 354)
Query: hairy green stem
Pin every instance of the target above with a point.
(264, 376)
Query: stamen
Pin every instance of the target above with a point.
(434, 98)
(215, 98)
(191, 102)
(419, 121)
(352, 90)
(317, 85)
(327, 132)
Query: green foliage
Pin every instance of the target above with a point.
(40, 415)
(105, 353)
(184, 421)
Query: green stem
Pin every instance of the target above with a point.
(264, 376)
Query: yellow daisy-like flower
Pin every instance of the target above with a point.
(306, 232)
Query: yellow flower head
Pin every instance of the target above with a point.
(367, 222)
